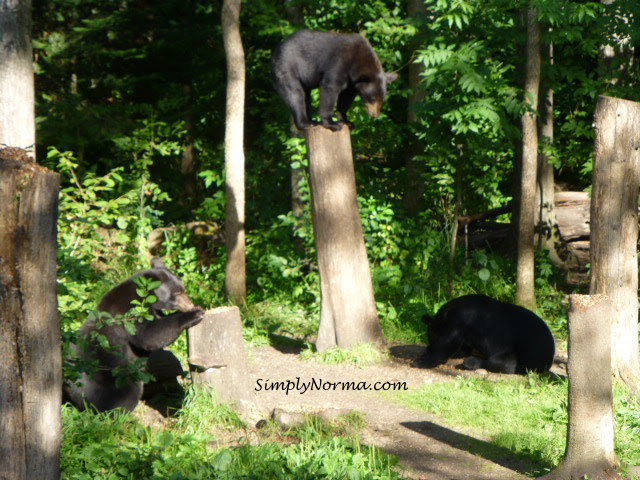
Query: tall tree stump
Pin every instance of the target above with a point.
(31, 373)
(348, 313)
(589, 448)
(614, 227)
(217, 357)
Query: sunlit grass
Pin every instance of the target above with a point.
(525, 416)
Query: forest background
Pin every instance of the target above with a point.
(131, 111)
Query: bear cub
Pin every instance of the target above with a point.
(100, 388)
(494, 335)
(340, 65)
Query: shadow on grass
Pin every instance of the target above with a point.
(521, 462)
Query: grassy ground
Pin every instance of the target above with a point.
(114, 446)
(526, 417)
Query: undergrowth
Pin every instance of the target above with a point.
(114, 446)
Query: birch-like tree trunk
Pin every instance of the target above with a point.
(17, 104)
(235, 280)
(525, 292)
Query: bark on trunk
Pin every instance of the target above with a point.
(614, 227)
(525, 292)
(348, 313)
(235, 280)
(589, 452)
(31, 374)
(17, 110)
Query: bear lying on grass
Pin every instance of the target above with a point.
(102, 388)
(494, 335)
(340, 65)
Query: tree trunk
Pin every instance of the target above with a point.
(17, 103)
(348, 313)
(235, 281)
(218, 359)
(31, 373)
(589, 452)
(525, 293)
(614, 227)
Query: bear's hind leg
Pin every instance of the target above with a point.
(298, 101)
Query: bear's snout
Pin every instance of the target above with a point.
(374, 108)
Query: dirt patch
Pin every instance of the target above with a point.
(427, 449)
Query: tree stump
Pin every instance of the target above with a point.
(31, 374)
(589, 448)
(217, 357)
(348, 312)
(614, 227)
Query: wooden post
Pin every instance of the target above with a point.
(589, 452)
(614, 227)
(348, 313)
(31, 373)
(217, 357)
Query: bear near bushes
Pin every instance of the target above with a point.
(340, 65)
(494, 335)
(100, 388)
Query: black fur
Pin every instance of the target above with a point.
(501, 337)
(341, 65)
(99, 389)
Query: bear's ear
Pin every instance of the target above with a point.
(163, 293)
(391, 76)
(156, 262)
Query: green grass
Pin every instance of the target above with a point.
(115, 446)
(524, 418)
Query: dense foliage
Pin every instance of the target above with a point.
(124, 89)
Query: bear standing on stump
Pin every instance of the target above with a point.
(494, 335)
(341, 65)
(101, 388)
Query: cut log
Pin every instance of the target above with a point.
(31, 373)
(218, 359)
(589, 451)
(614, 220)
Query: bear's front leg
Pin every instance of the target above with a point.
(439, 351)
(328, 99)
(158, 333)
(345, 99)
